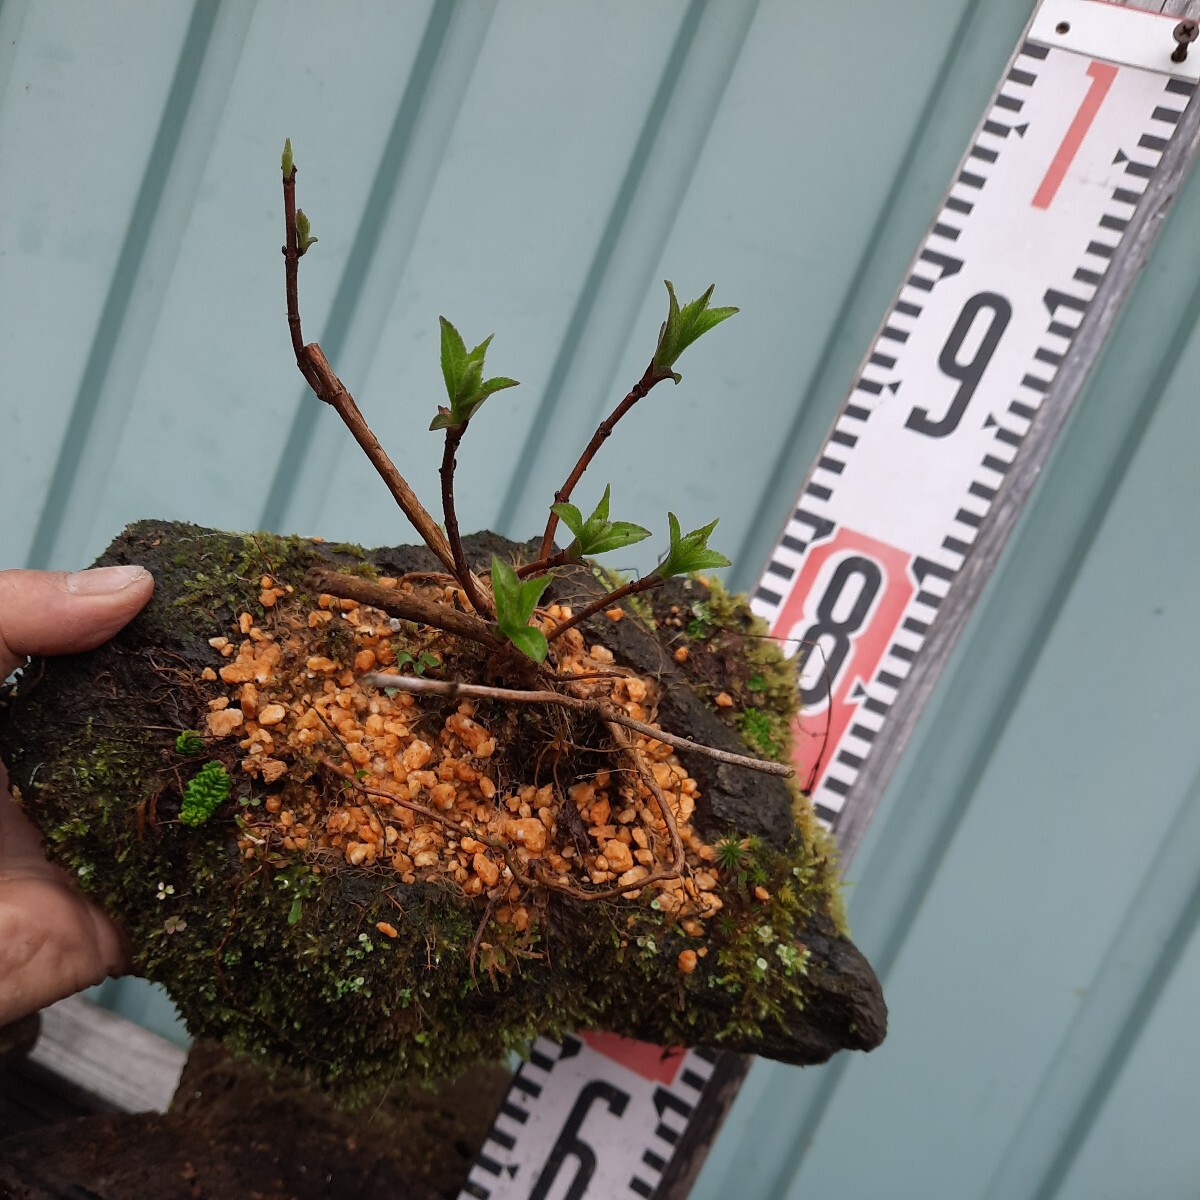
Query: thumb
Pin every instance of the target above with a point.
(51, 612)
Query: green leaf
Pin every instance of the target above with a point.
(505, 585)
(571, 517)
(515, 601)
(515, 598)
(682, 327)
(531, 642)
(454, 358)
(690, 551)
(295, 911)
(462, 372)
(303, 231)
(598, 535)
(496, 384)
(287, 161)
(617, 535)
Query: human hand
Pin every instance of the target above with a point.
(53, 941)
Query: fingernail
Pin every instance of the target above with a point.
(103, 581)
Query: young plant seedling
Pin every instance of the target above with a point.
(420, 808)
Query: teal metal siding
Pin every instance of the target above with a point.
(535, 169)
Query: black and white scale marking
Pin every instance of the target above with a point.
(951, 385)
(609, 1132)
(917, 456)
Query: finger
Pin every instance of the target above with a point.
(51, 612)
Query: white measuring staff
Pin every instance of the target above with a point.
(932, 456)
(600, 1118)
(967, 385)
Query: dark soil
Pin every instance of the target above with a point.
(235, 1133)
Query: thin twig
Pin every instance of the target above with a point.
(640, 389)
(621, 738)
(291, 263)
(479, 931)
(404, 605)
(816, 767)
(607, 601)
(329, 388)
(462, 572)
(419, 685)
(543, 564)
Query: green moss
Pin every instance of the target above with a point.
(283, 961)
(762, 732)
(204, 793)
(223, 574)
(190, 742)
(364, 570)
(280, 956)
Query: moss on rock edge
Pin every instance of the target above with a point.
(287, 965)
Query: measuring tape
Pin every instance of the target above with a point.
(960, 369)
(618, 1092)
(943, 409)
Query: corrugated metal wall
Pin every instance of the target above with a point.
(536, 169)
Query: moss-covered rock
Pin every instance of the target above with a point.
(355, 965)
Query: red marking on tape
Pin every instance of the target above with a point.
(1102, 76)
(822, 725)
(650, 1062)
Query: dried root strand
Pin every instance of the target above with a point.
(419, 685)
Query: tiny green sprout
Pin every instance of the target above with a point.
(462, 371)
(287, 162)
(515, 601)
(422, 663)
(682, 327)
(689, 552)
(204, 793)
(303, 231)
(190, 742)
(731, 854)
(597, 535)
(794, 958)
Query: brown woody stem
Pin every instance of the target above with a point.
(454, 435)
(315, 368)
(419, 685)
(607, 601)
(643, 385)
(405, 606)
(543, 564)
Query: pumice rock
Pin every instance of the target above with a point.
(364, 882)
